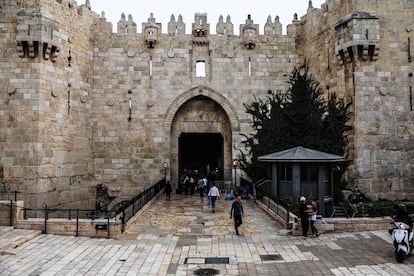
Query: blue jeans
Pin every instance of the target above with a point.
(213, 202)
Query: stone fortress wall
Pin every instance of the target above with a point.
(82, 106)
(363, 50)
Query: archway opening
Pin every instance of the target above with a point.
(201, 135)
(202, 153)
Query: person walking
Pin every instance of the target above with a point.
(213, 194)
(237, 212)
(168, 190)
(313, 215)
(304, 216)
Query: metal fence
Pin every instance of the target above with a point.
(127, 210)
(130, 208)
(261, 192)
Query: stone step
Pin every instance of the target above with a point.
(13, 238)
(5, 229)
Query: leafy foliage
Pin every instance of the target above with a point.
(299, 117)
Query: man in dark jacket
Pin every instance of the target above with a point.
(237, 212)
(304, 216)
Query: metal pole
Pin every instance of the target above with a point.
(235, 180)
(108, 228)
(332, 189)
(11, 212)
(77, 222)
(287, 216)
(123, 220)
(45, 228)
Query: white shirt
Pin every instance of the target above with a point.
(214, 191)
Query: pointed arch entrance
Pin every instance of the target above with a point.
(201, 124)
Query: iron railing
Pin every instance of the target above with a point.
(127, 210)
(262, 193)
(130, 208)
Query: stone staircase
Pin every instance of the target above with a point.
(11, 238)
(339, 212)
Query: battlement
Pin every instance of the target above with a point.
(200, 26)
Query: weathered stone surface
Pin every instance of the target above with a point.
(66, 115)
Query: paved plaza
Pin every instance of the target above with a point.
(183, 237)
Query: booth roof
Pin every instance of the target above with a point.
(300, 154)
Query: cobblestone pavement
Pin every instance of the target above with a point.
(183, 237)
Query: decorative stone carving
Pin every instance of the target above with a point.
(131, 53)
(269, 54)
(11, 90)
(110, 102)
(170, 53)
(84, 98)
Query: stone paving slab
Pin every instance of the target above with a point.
(12, 238)
(157, 245)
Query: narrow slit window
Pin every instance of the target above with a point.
(150, 66)
(250, 67)
(201, 69)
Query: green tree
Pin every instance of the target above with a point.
(299, 117)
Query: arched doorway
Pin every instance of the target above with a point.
(201, 139)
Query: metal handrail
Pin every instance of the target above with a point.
(126, 212)
(281, 208)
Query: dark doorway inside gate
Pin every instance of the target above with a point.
(201, 152)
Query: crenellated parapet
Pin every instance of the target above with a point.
(224, 27)
(273, 28)
(126, 26)
(38, 35)
(176, 27)
(357, 37)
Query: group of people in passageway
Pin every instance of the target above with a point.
(192, 182)
(204, 186)
(308, 216)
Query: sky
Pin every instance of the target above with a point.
(237, 9)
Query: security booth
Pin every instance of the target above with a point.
(305, 172)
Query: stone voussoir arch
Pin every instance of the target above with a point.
(200, 91)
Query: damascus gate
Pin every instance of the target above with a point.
(90, 108)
